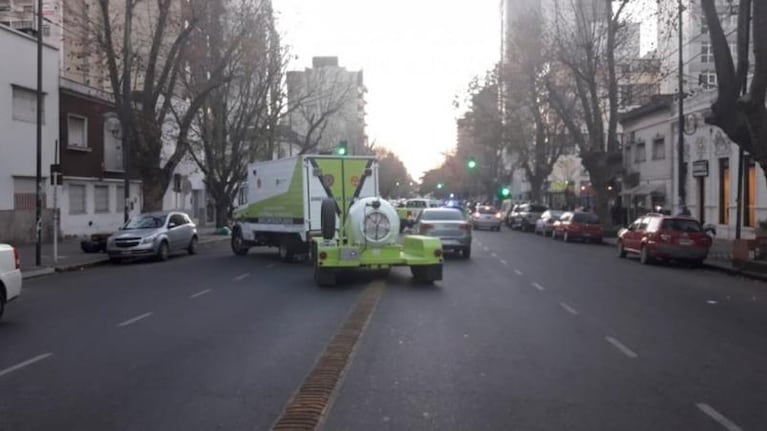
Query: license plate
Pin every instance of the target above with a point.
(685, 242)
(449, 242)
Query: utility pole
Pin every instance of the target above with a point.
(682, 168)
(741, 156)
(39, 139)
(126, 113)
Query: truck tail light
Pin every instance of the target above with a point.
(437, 252)
(16, 257)
(323, 255)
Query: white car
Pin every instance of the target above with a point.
(10, 275)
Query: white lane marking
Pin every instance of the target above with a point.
(28, 362)
(568, 308)
(135, 319)
(722, 419)
(711, 302)
(622, 347)
(539, 287)
(504, 262)
(271, 265)
(200, 293)
(518, 272)
(485, 248)
(241, 277)
(493, 254)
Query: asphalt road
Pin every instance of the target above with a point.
(530, 334)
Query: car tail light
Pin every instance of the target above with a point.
(16, 258)
(425, 227)
(323, 255)
(464, 227)
(476, 214)
(498, 215)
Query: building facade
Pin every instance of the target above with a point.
(18, 119)
(327, 104)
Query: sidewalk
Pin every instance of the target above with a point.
(71, 257)
(720, 258)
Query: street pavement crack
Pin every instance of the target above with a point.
(313, 400)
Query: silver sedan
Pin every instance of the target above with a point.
(447, 224)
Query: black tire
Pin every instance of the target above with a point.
(287, 249)
(192, 248)
(466, 253)
(163, 252)
(237, 243)
(328, 218)
(621, 250)
(420, 275)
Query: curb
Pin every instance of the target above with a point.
(736, 272)
(36, 273)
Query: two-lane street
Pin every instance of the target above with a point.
(528, 334)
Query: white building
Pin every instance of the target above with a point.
(18, 113)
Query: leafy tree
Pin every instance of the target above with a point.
(393, 178)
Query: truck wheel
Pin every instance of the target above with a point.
(238, 245)
(328, 218)
(287, 249)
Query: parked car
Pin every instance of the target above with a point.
(545, 224)
(524, 216)
(486, 217)
(10, 275)
(583, 226)
(449, 225)
(658, 236)
(153, 235)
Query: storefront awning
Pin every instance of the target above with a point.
(645, 189)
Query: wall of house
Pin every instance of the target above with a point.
(18, 137)
(655, 169)
(77, 222)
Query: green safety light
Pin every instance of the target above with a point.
(342, 148)
(471, 163)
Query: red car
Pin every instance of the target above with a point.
(578, 225)
(658, 236)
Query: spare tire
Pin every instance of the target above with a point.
(328, 218)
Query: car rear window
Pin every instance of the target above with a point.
(487, 210)
(537, 208)
(681, 225)
(442, 215)
(584, 218)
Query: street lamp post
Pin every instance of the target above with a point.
(682, 174)
(39, 139)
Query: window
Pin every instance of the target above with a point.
(639, 153)
(24, 196)
(120, 199)
(724, 191)
(706, 53)
(25, 105)
(177, 219)
(659, 149)
(707, 79)
(76, 199)
(77, 128)
(101, 199)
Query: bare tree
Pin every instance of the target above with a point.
(234, 124)
(144, 45)
(319, 98)
(739, 109)
(533, 129)
(583, 86)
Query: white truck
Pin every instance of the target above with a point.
(284, 199)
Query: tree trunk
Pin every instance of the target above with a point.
(599, 173)
(536, 184)
(222, 213)
(153, 188)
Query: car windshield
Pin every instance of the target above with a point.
(681, 225)
(555, 214)
(585, 218)
(146, 222)
(446, 214)
(487, 210)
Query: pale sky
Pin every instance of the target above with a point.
(416, 55)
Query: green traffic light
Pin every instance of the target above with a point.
(342, 148)
(471, 163)
(505, 192)
(440, 185)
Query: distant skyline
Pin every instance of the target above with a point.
(415, 56)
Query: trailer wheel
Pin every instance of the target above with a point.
(238, 243)
(328, 218)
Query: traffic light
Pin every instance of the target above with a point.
(440, 186)
(471, 163)
(342, 149)
(504, 191)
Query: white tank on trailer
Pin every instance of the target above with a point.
(372, 221)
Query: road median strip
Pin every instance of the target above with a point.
(309, 406)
